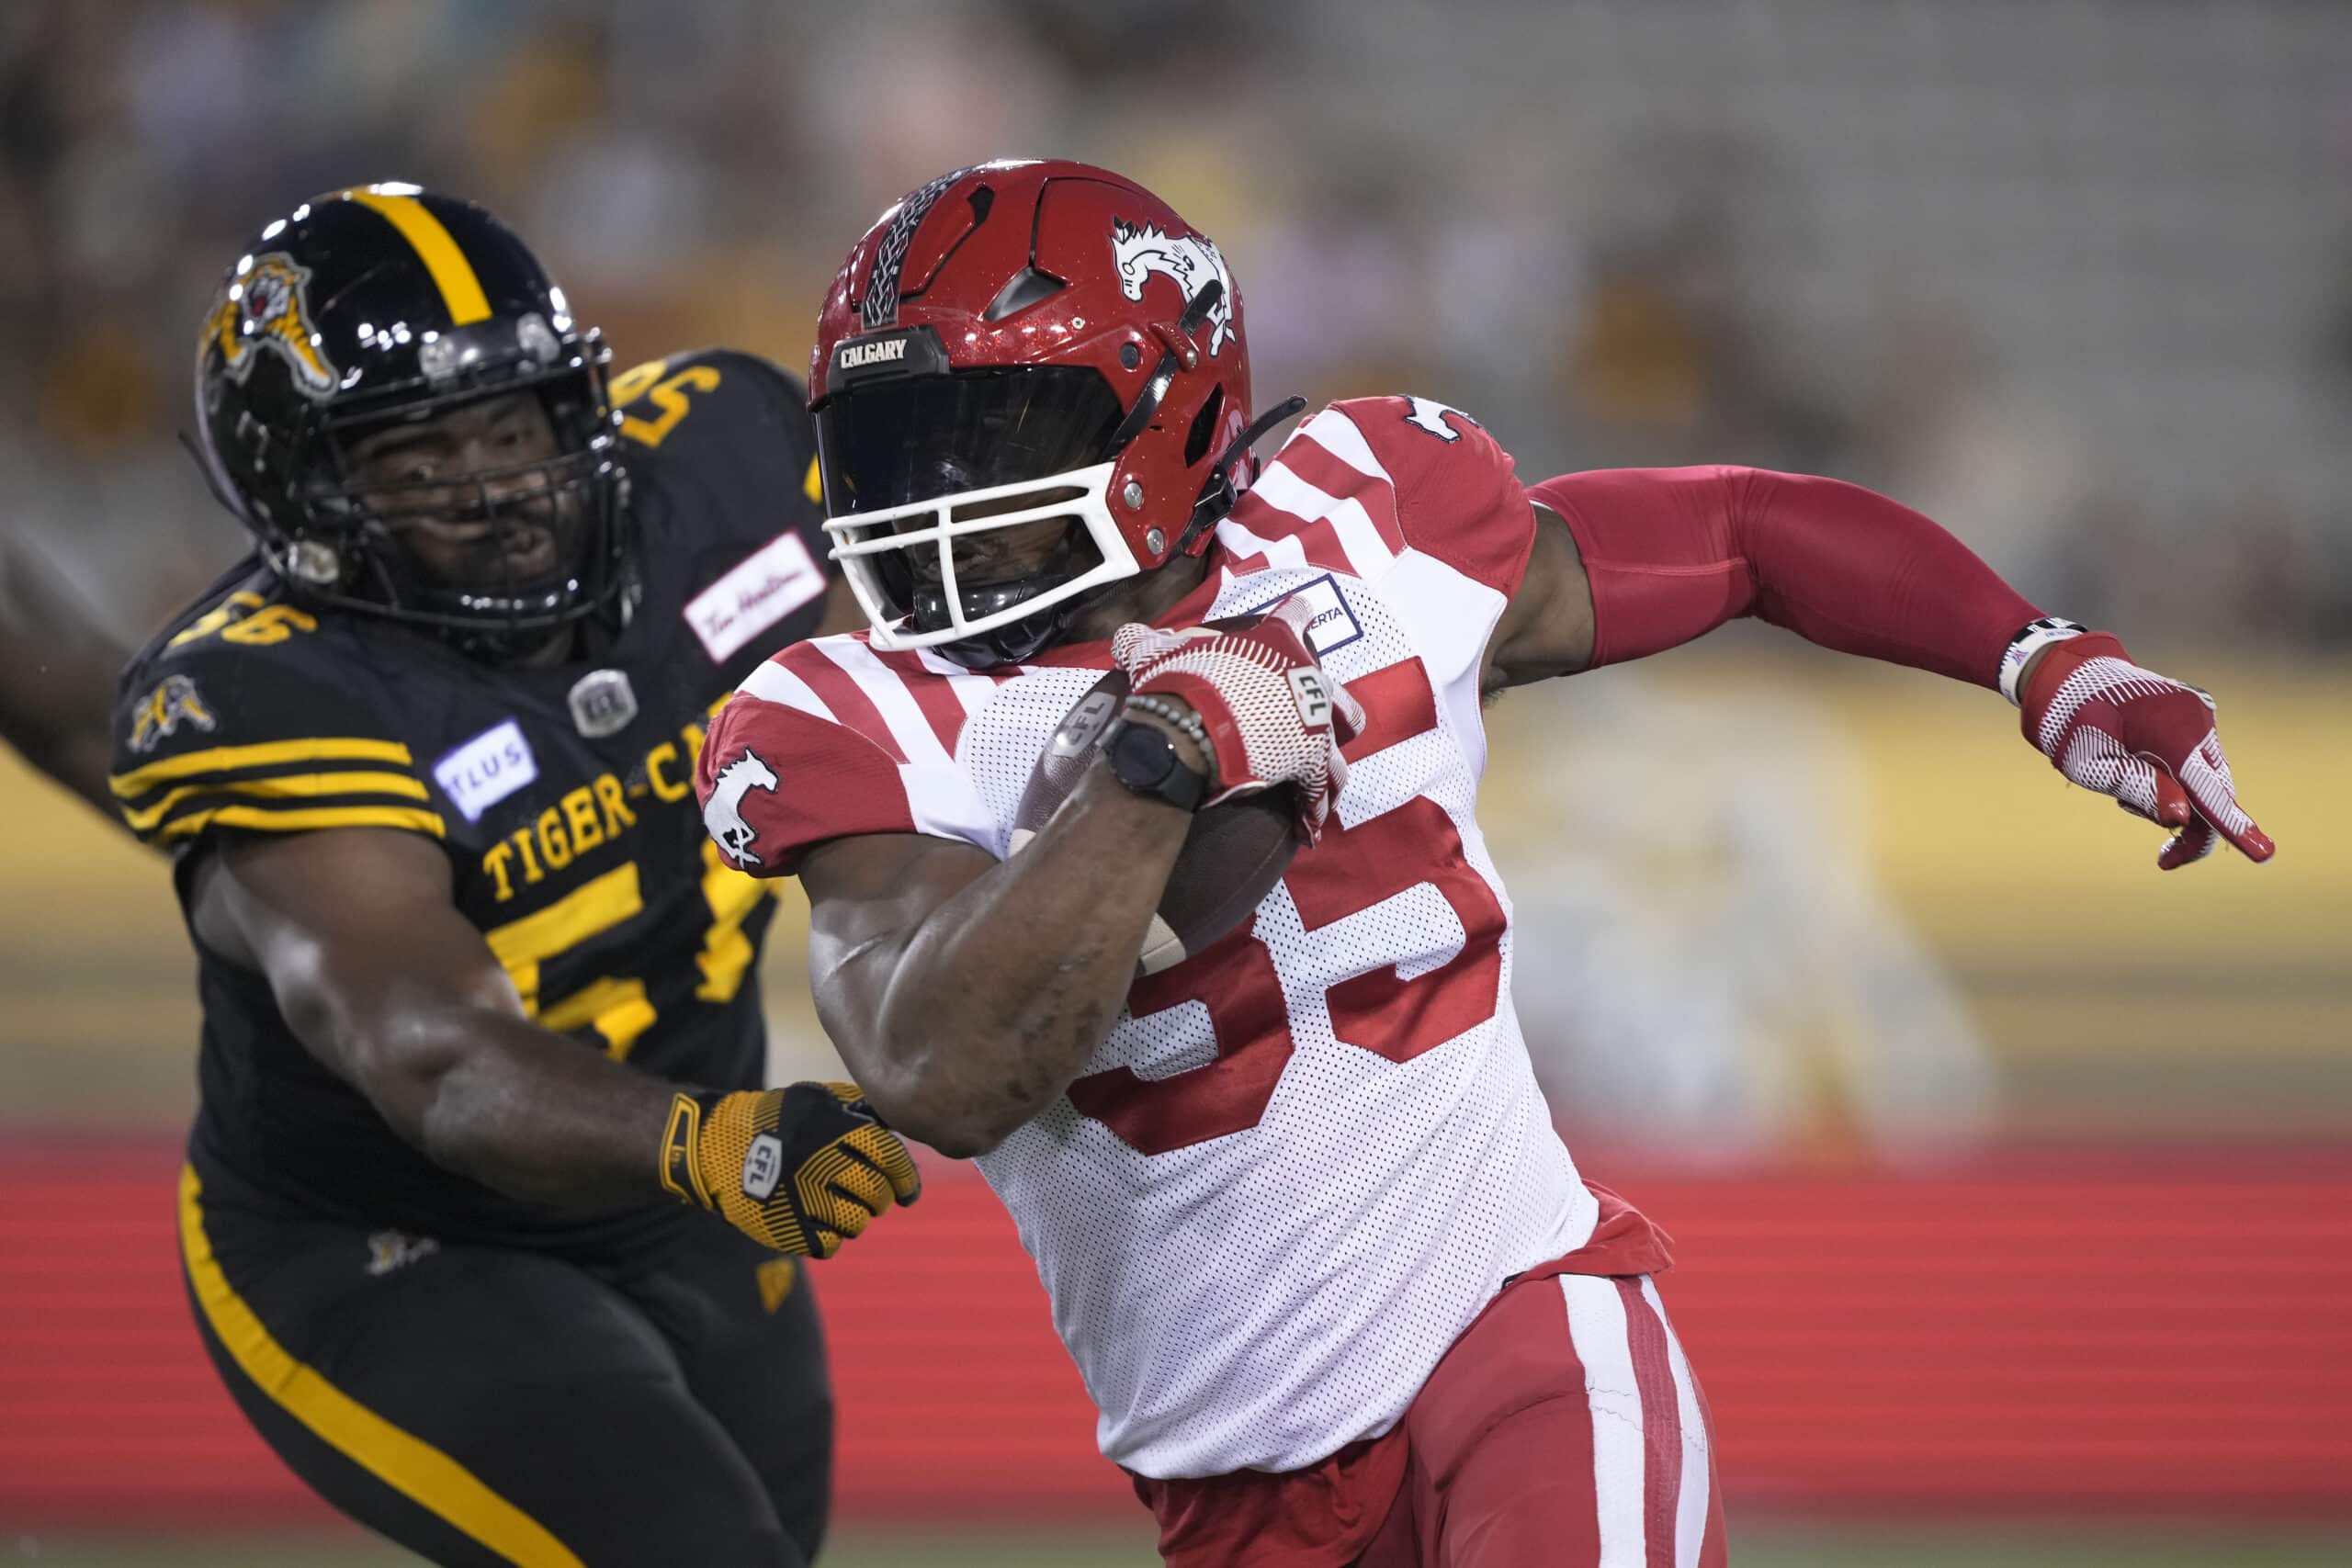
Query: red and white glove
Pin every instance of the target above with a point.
(2142, 738)
(1272, 715)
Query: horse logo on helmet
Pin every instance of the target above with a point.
(1192, 260)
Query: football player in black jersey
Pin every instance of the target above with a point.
(482, 1025)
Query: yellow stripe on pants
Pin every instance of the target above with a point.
(407, 1464)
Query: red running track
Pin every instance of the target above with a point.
(2099, 1330)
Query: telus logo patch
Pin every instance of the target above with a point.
(485, 771)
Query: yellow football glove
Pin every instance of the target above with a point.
(799, 1168)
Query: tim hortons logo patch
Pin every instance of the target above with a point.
(756, 593)
(164, 709)
(265, 309)
(1143, 249)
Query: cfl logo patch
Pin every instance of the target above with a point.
(1085, 724)
(763, 1165)
(1314, 696)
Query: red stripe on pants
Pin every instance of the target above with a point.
(1661, 1425)
(1493, 1465)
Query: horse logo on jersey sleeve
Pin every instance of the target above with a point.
(722, 814)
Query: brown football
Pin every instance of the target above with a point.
(1231, 859)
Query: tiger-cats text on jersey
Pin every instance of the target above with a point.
(562, 795)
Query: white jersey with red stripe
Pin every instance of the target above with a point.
(1305, 1157)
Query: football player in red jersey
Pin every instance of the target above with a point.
(1335, 1287)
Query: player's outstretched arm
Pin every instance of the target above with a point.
(388, 986)
(1627, 562)
(57, 672)
(967, 993)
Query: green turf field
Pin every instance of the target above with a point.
(2069, 1546)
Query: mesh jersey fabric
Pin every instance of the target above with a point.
(1304, 1158)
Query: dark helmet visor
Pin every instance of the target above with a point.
(890, 443)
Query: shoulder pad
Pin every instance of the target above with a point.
(803, 752)
(234, 720)
(1457, 494)
(715, 399)
(1368, 479)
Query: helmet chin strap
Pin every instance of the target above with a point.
(1218, 495)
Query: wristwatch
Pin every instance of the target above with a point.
(1144, 759)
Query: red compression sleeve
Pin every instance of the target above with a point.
(1673, 553)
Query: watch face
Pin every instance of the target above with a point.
(1141, 755)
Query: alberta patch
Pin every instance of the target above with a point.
(1335, 625)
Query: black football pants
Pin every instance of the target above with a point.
(483, 1404)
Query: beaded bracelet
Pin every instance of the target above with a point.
(1184, 719)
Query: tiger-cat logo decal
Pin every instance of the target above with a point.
(164, 709)
(265, 310)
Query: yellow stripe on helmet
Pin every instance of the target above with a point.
(452, 273)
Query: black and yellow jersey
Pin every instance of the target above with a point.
(562, 795)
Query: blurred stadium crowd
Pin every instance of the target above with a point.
(2073, 279)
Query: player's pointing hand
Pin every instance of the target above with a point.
(2142, 738)
(799, 1168)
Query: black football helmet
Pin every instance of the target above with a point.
(383, 305)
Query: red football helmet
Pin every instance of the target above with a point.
(1013, 344)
